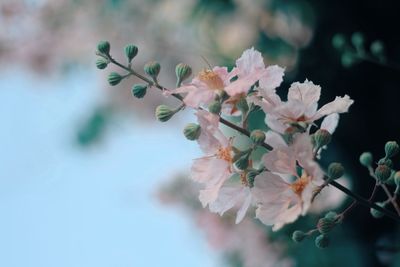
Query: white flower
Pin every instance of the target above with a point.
(279, 200)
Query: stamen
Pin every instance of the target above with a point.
(213, 81)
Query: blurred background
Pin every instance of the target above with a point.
(88, 177)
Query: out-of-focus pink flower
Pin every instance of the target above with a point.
(301, 107)
(280, 201)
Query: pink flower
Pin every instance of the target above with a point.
(215, 168)
(301, 107)
(279, 200)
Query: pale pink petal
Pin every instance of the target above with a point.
(288, 216)
(274, 139)
(223, 73)
(227, 198)
(245, 206)
(268, 187)
(275, 123)
(306, 92)
(339, 105)
(198, 96)
(280, 160)
(250, 61)
(330, 123)
(210, 194)
(243, 83)
(208, 169)
(272, 78)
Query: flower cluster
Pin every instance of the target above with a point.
(284, 181)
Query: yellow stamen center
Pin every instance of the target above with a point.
(212, 79)
(225, 153)
(299, 185)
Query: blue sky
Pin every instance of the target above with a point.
(63, 206)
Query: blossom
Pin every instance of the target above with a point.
(280, 201)
(301, 107)
(216, 167)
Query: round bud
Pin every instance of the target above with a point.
(131, 51)
(338, 41)
(298, 236)
(152, 69)
(182, 71)
(377, 48)
(376, 213)
(139, 90)
(382, 172)
(250, 176)
(164, 113)
(322, 137)
(192, 131)
(114, 78)
(386, 161)
(215, 107)
(331, 215)
(397, 178)
(242, 105)
(391, 149)
(335, 170)
(101, 63)
(366, 159)
(257, 137)
(322, 241)
(103, 47)
(243, 162)
(325, 225)
(357, 39)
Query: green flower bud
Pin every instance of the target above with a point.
(101, 63)
(366, 159)
(192, 131)
(257, 137)
(386, 161)
(325, 225)
(242, 105)
(391, 149)
(164, 113)
(376, 213)
(377, 48)
(215, 107)
(152, 69)
(331, 215)
(335, 170)
(348, 59)
(397, 178)
(357, 39)
(139, 90)
(338, 41)
(322, 137)
(114, 78)
(382, 172)
(322, 241)
(182, 71)
(243, 162)
(298, 236)
(131, 51)
(103, 47)
(250, 176)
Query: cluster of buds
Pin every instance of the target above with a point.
(283, 182)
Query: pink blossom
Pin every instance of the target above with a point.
(279, 200)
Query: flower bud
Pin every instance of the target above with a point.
(325, 225)
(243, 162)
(357, 39)
(366, 159)
(331, 215)
(377, 48)
(242, 105)
(182, 71)
(139, 90)
(103, 47)
(192, 131)
(152, 69)
(114, 78)
(335, 170)
(338, 41)
(214, 107)
(391, 149)
(298, 236)
(322, 241)
(257, 136)
(397, 178)
(101, 63)
(131, 51)
(164, 113)
(382, 172)
(386, 161)
(322, 137)
(376, 213)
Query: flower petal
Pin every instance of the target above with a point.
(330, 123)
(339, 105)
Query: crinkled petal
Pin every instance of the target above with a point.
(245, 206)
(274, 139)
(208, 169)
(339, 105)
(250, 61)
(272, 78)
(306, 92)
(280, 160)
(227, 198)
